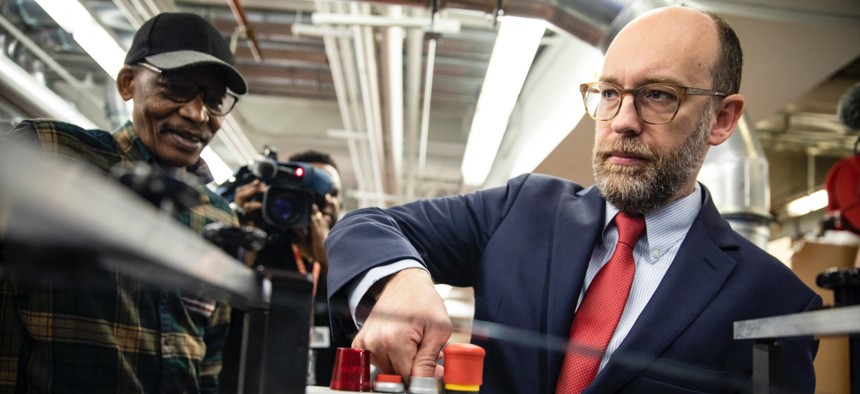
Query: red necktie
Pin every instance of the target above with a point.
(600, 310)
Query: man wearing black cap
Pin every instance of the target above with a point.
(128, 336)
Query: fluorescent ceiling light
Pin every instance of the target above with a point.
(807, 204)
(513, 53)
(74, 18)
(552, 107)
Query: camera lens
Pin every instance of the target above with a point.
(282, 209)
(287, 207)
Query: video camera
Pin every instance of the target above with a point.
(293, 187)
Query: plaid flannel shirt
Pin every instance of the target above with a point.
(123, 336)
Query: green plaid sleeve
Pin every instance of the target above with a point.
(10, 346)
(216, 335)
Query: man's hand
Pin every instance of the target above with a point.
(407, 328)
(312, 239)
(244, 199)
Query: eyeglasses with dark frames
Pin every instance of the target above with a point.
(656, 103)
(183, 90)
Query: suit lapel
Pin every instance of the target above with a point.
(695, 277)
(580, 221)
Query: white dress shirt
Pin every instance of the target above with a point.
(665, 230)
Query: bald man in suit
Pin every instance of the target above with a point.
(531, 249)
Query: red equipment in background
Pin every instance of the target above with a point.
(843, 195)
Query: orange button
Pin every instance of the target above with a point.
(464, 364)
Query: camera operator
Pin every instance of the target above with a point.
(310, 240)
(300, 249)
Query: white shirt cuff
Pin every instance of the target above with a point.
(361, 285)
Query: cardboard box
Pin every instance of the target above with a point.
(832, 368)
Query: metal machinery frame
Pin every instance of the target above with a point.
(767, 361)
(92, 219)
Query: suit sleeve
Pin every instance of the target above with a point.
(447, 235)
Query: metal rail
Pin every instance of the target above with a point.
(54, 202)
(833, 321)
(768, 371)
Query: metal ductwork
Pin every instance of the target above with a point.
(595, 22)
(736, 173)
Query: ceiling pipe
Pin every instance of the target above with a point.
(391, 20)
(242, 20)
(393, 71)
(365, 51)
(595, 22)
(300, 29)
(414, 55)
(425, 110)
(340, 83)
(386, 136)
(359, 147)
(337, 42)
(350, 71)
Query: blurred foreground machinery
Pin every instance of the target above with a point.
(52, 210)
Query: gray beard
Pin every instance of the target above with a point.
(644, 189)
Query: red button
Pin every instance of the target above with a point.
(351, 370)
(381, 377)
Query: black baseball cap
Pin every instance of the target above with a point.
(176, 40)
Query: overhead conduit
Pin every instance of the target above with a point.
(595, 22)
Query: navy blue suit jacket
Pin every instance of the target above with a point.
(525, 248)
